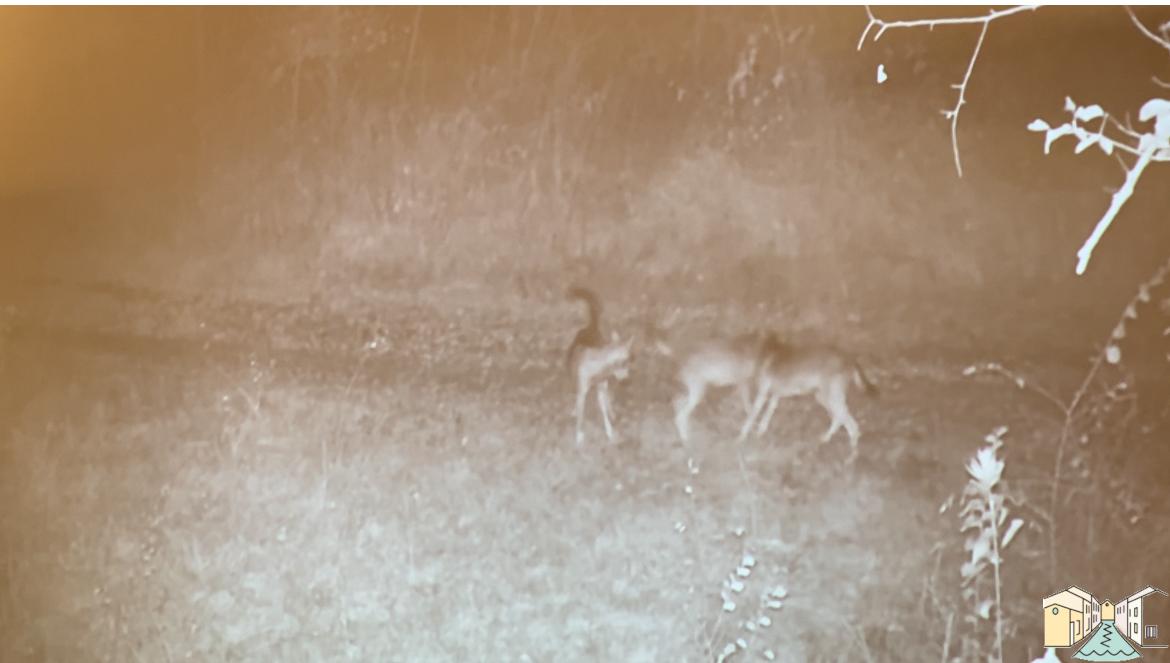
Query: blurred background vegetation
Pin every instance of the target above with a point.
(275, 186)
(743, 155)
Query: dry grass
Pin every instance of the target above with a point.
(428, 504)
(184, 476)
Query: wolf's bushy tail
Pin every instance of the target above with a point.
(591, 300)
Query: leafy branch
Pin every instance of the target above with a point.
(1162, 40)
(1143, 147)
(1071, 409)
(983, 514)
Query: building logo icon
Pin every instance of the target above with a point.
(1104, 630)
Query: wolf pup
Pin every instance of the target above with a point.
(592, 362)
(825, 373)
(721, 361)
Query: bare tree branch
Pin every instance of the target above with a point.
(953, 114)
(1144, 147)
(1161, 41)
(1119, 198)
(1121, 161)
(930, 24)
(1148, 147)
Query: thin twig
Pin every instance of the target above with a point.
(1161, 41)
(932, 23)
(983, 21)
(1080, 133)
(1123, 128)
(1066, 429)
(995, 569)
(1024, 383)
(953, 114)
(1062, 443)
(1121, 161)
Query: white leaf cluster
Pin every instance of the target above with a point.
(1145, 147)
(984, 510)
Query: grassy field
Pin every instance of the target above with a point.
(226, 498)
(281, 353)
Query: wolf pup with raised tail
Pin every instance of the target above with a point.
(593, 361)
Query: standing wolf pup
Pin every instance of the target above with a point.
(713, 361)
(823, 372)
(592, 362)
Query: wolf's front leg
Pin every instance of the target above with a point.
(604, 402)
